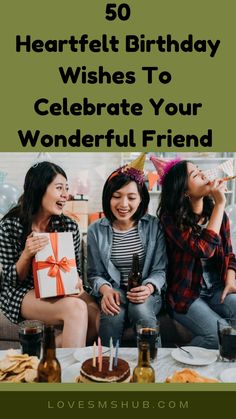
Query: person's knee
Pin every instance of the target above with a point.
(230, 306)
(137, 315)
(74, 307)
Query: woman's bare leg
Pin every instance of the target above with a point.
(93, 317)
(70, 311)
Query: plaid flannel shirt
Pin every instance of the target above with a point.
(185, 250)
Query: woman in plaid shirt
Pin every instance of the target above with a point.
(40, 209)
(201, 263)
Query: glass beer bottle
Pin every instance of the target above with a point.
(49, 369)
(143, 372)
(135, 276)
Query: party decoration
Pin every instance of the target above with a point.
(2, 176)
(152, 179)
(9, 195)
(163, 166)
(215, 172)
(134, 170)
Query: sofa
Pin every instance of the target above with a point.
(8, 330)
(172, 332)
(8, 333)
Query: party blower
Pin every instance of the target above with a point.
(226, 167)
(229, 178)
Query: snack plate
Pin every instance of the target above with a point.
(201, 356)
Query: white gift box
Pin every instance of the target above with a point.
(54, 267)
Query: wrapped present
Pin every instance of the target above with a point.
(54, 267)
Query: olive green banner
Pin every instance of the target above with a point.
(137, 75)
(164, 404)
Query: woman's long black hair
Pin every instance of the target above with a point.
(176, 203)
(36, 182)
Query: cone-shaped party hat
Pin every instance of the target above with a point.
(163, 166)
(134, 169)
(138, 163)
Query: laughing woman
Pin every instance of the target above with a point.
(125, 230)
(40, 210)
(201, 269)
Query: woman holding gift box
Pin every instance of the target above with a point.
(40, 209)
(201, 270)
(112, 241)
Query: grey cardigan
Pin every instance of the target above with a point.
(102, 271)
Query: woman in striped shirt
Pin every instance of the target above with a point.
(112, 241)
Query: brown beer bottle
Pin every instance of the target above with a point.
(143, 373)
(49, 369)
(135, 276)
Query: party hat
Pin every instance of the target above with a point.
(138, 163)
(163, 166)
(134, 170)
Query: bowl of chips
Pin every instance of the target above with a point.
(18, 368)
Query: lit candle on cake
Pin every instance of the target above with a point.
(116, 354)
(111, 355)
(99, 355)
(94, 354)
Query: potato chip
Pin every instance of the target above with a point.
(30, 375)
(34, 362)
(2, 376)
(12, 353)
(16, 368)
(17, 378)
(7, 365)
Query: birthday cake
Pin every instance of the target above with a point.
(90, 374)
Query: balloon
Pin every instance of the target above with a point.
(9, 195)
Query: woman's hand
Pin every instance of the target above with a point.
(139, 294)
(217, 191)
(79, 286)
(34, 244)
(110, 300)
(230, 285)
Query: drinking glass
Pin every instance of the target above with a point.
(30, 337)
(227, 339)
(149, 332)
